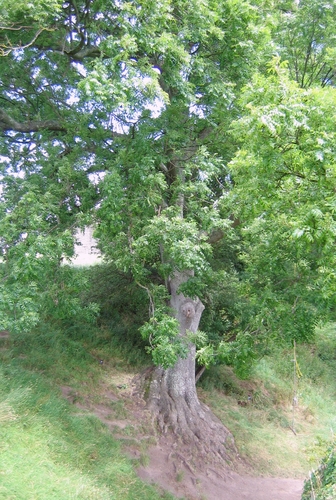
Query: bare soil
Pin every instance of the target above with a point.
(165, 461)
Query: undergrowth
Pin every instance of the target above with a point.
(321, 484)
(281, 426)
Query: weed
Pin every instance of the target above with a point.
(119, 409)
(180, 476)
(129, 431)
(144, 460)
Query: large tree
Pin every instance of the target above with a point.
(107, 110)
(118, 114)
(284, 172)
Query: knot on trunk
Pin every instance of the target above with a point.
(187, 309)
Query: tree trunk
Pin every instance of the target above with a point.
(171, 393)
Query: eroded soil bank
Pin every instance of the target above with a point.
(169, 465)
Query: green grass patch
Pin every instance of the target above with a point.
(321, 484)
(275, 436)
(64, 355)
(47, 448)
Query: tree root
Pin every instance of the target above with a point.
(189, 424)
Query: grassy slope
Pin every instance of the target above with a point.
(263, 429)
(49, 450)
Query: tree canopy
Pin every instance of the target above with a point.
(198, 138)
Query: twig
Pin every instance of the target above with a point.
(151, 300)
(8, 50)
(312, 486)
(295, 390)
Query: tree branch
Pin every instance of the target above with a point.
(215, 236)
(6, 50)
(79, 55)
(7, 123)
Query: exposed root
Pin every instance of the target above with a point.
(185, 462)
(187, 421)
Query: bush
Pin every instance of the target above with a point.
(322, 483)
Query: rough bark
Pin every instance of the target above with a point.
(172, 398)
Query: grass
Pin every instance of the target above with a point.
(50, 450)
(47, 449)
(269, 434)
(322, 482)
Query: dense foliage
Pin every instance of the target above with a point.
(321, 484)
(196, 136)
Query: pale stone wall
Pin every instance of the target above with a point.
(86, 250)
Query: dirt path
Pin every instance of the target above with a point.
(234, 487)
(165, 469)
(168, 464)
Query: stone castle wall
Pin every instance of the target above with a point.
(86, 249)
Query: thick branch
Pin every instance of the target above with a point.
(7, 123)
(215, 236)
(79, 55)
(218, 234)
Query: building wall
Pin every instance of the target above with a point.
(86, 249)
